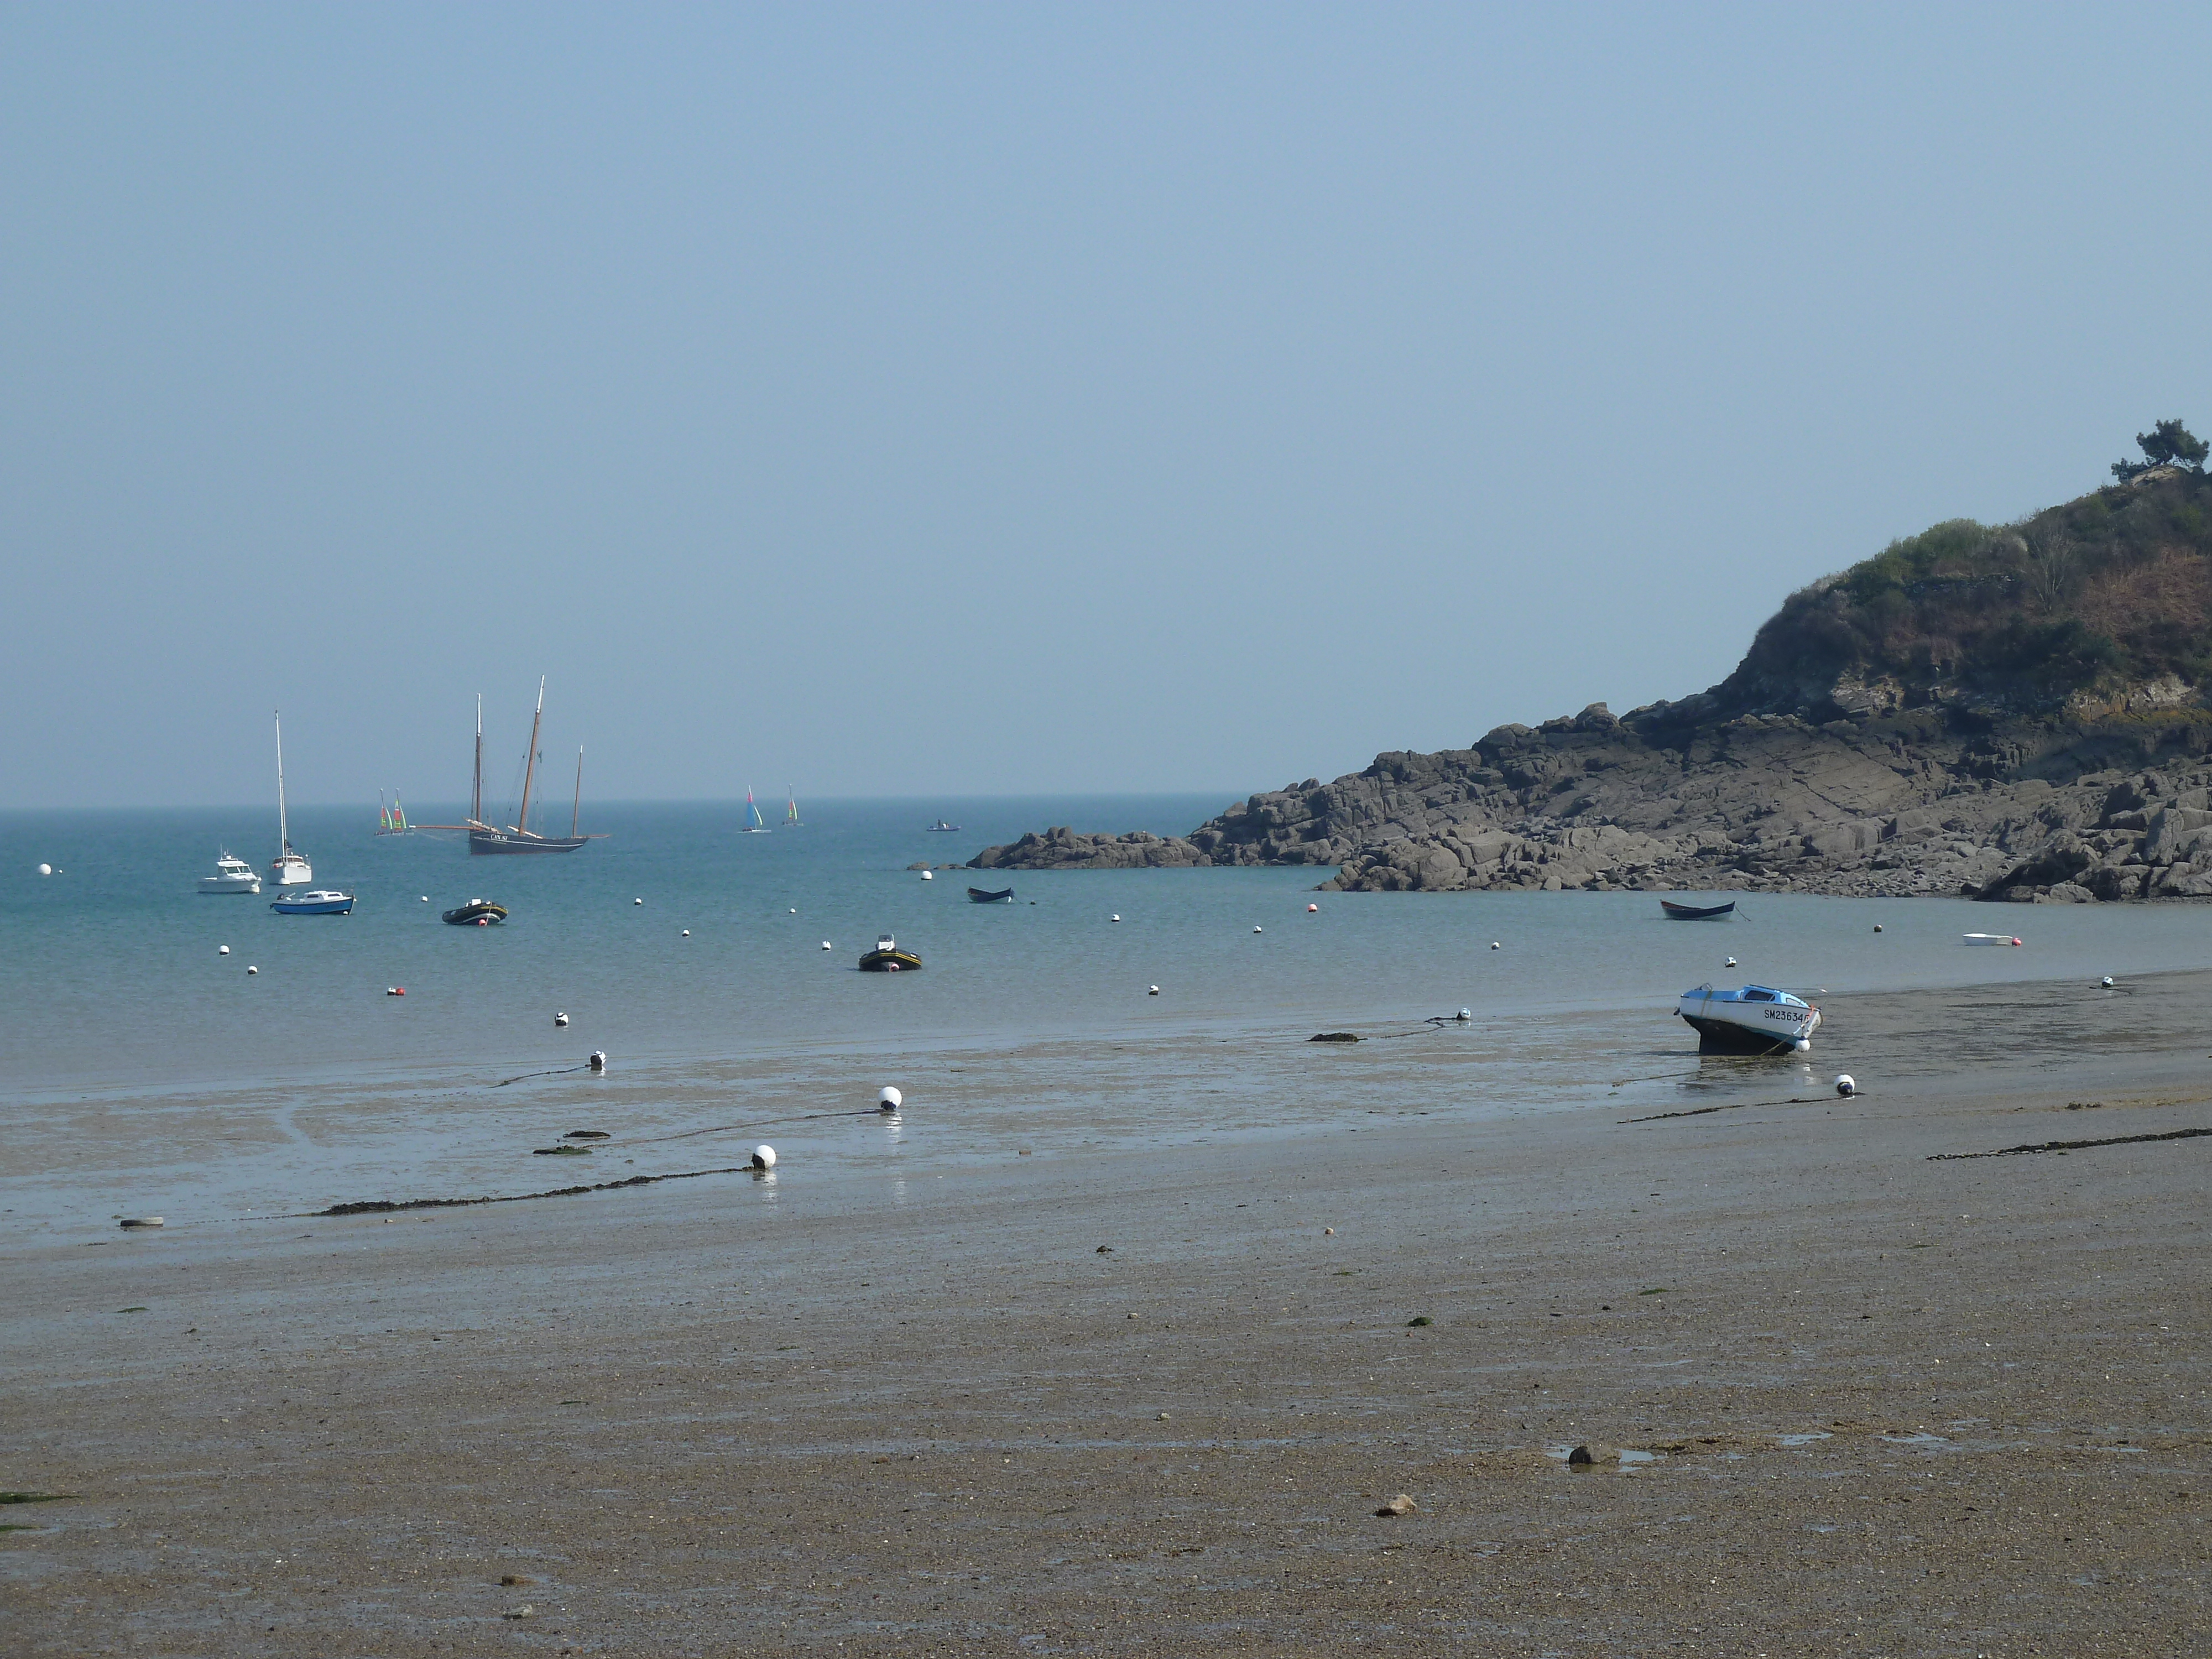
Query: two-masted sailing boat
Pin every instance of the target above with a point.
(753, 825)
(290, 870)
(519, 836)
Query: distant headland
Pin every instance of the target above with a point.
(2019, 712)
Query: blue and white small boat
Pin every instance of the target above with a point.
(323, 902)
(1757, 1019)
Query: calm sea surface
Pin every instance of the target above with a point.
(111, 978)
(142, 1069)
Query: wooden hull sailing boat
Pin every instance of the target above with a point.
(518, 838)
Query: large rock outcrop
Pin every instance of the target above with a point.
(2012, 712)
(1062, 849)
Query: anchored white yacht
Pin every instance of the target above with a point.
(232, 874)
(290, 870)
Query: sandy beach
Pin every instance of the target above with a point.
(1845, 1395)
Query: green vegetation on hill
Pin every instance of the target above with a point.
(2113, 589)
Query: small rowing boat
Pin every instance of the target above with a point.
(977, 895)
(1696, 912)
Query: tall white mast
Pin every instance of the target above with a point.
(476, 795)
(283, 828)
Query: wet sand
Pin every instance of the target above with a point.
(1874, 1403)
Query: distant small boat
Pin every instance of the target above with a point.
(322, 902)
(1696, 912)
(888, 958)
(232, 874)
(977, 895)
(1990, 938)
(392, 820)
(476, 913)
(752, 825)
(941, 825)
(1756, 1019)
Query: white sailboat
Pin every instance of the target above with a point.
(290, 870)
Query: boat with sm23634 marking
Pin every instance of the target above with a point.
(476, 913)
(322, 902)
(888, 958)
(1757, 1019)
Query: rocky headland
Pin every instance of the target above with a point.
(2014, 712)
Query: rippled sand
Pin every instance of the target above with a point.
(897, 1400)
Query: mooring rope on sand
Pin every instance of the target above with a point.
(2071, 1146)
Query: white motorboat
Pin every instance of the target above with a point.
(290, 870)
(1990, 938)
(1755, 1019)
(232, 874)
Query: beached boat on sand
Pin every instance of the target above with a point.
(1756, 1019)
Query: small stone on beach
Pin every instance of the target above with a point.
(1580, 1458)
(1401, 1504)
(514, 1579)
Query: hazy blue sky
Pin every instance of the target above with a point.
(964, 398)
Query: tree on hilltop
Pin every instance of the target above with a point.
(2169, 443)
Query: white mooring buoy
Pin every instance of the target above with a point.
(764, 1158)
(252, 969)
(1151, 990)
(426, 898)
(45, 869)
(1464, 1015)
(1846, 1085)
(222, 949)
(560, 1019)
(1877, 927)
(1258, 930)
(2106, 982)
(639, 901)
(1114, 918)
(1495, 945)
(1310, 908)
(827, 945)
(686, 932)
(928, 876)
(598, 1062)
(1730, 962)
(889, 1100)
(794, 909)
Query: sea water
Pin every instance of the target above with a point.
(116, 995)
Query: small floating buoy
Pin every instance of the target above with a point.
(2015, 939)
(794, 909)
(686, 932)
(1730, 962)
(598, 1062)
(1151, 990)
(131, 1222)
(1845, 1086)
(1310, 908)
(426, 898)
(890, 1100)
(1258, 930)
(222, 949)
(395, 990)
(561, 1018)
(928, 876)
(1495, 945)
(45, 869)
(483, 922)
(2106, 982)
(1114, 918)
(827, 945)
(252, 969)
(1464, 1015)
(1877, 927)
(764, 1158)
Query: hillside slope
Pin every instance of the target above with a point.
(2011, 711)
